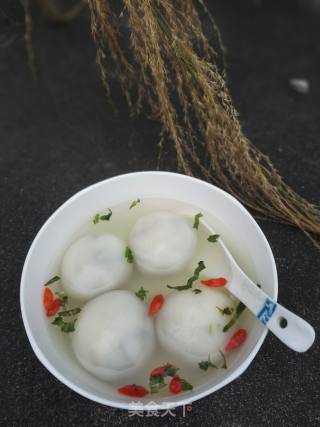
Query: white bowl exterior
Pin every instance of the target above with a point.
(70, 216)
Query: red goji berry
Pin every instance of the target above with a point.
(47, 296)
(215, 283)
(236, 340)
(175, 385)
(158, 372)
(156, 304)
(53, 307)
(133, 390)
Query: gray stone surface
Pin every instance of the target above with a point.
(57, 136)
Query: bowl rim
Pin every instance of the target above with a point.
(130, 405)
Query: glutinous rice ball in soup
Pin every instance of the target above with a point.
(163, 242)
(190, 327)
(114, 336)
(94, 264)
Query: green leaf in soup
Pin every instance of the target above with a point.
(134, 203)
(191, 280)
(141, 293)
(197, 220)
(52, 280)
(213, 238)
(129, 255)
(107, 216)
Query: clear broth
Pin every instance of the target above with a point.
(120, 224)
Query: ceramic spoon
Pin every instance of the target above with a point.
(293, 331)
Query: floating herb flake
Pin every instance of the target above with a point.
(59, 319)
(185, 385)
(197, 291)
(53, 280)
(107, 216)
(206, 364)
(141, 293)
(239, 309)
(63, 297)
(64, 326)
(197, 220)
(134, 203)
(60, 294)
(157, 382)
(71, 312)
(170, 369)
(129, 255)
(68, 326)
(226, 310)
(191, 280)
(96, 218)
(213, 238)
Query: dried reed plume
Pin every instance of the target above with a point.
(171, 71)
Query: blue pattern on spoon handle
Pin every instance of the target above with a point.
(266, 311)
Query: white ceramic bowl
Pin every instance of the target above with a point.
(239, 230)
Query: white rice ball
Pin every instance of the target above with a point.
(190, 326)
(114, 337)
(93, 265)
(162, 243)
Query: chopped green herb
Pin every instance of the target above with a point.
(60, 294)
(128, 254)
(239, 309)
(64, 326)
(58, 321)
(210, 329)
(197, 220)
(64, 300)
(185, 385)
(206, 364)
(170, 370)
(227, 310)
(63, 297)
(142, 293)
(134, 203)
(107, 216)
(68, 326)
(68, 313)
(53, 280)
(213, 238)
(157, 380)
(192, 279)
(96, 218)
(197, 291)
(156, 384)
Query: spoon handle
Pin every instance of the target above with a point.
(293, 331)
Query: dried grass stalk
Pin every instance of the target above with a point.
(172, 71)
(28, 37)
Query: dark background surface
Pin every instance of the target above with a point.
(57, 135)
